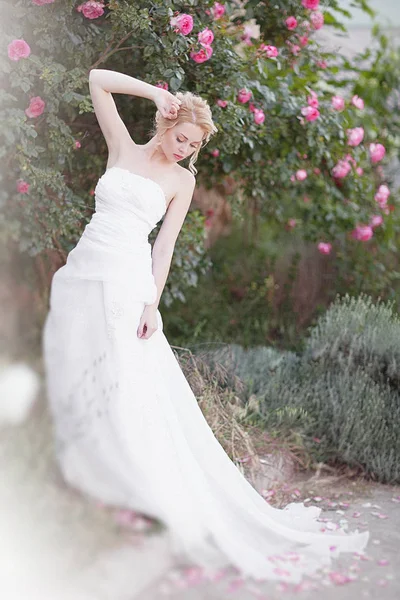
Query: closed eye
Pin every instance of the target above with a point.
(181, 141)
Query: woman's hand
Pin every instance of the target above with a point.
(167, 103)
(148, 323)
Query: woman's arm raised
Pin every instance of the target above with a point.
(102, 83)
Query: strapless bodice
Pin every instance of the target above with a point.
(114, 244)
(127, 207)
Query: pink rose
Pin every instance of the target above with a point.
(202, 55)
(382, 195)
(205, 37)
(295, 49)
(291, 23)
(376, 220)
(376, 152)
(36, 107)
(301, 175)
(247, 35)
(218, 10)
(77, 144)
(215, 152)
(341, 169)
(357, 102)
(351, 159)
(324, 247)
(312, 100)
(252, 108)
(310, 4)
(182, 23)
(91, 9)
(337, 102)
(162, 84)
(359, 171)
(18, 49)
(222, 103)
(322, 64)
(317, 20)
(303, 40)
(42, 2)
(244, 95)
(355, 136)
(270, 51)
(292, 223)
(317, 171)
(310, 113)
(363, 233)
(247, 40)
(23, 187)
(259, 116)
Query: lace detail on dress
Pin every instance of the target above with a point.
(78, 411)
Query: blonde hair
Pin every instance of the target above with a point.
(194, 109)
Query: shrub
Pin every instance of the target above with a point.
(344, 387)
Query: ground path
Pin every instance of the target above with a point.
(56, 545)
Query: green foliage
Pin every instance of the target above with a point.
(250, 365)
(344, 386)
(138, 40)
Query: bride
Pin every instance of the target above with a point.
(128, 428)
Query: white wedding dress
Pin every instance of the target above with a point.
(128, 427)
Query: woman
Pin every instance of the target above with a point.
(128, 427)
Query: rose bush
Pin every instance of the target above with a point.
(277, 99)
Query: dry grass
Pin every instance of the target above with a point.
(252, 449)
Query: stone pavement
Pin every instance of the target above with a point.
(376, 578)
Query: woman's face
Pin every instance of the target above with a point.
(181, 141)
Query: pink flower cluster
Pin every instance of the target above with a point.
(18, 49)
(218, 10)
(247, 35)
(301, 175)
(310, 4)
(311, 112)
(244, 96)
(162, 84)
(258, 114)
(182, 23)
(291, 23)
(36, 107)
(382, 195)
(324, 247)
(270, 51)
(362, 233)
(23, 187)
(376, 152)
(91, 9)
(338, 102)
(355, 136)
(317, 20)
(357, 102)
(341, 169)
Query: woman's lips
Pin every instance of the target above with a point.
(178, 156)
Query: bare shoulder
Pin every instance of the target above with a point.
(186, 181)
